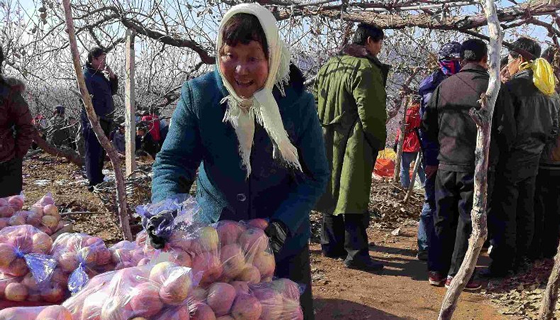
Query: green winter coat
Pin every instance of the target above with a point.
(351, 99)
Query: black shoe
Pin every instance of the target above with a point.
(494, 273)
(335, 255)
(422, 255)
(90, 188)
(365, 265)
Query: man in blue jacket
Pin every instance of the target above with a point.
(101, 90)
(449, 58)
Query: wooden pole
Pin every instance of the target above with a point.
(483, 120)
(413, 178)
(396, 174)
(111, 152)
(129, 100)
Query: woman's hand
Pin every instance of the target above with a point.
(277, 233)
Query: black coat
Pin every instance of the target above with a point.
(536, 120)
(447, 119)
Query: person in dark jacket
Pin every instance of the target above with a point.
(449, 58)
(249, 168)
(511, 217)
(101, 88)
(118, 139)
(448, 121)
(351, 102)
(547, 188)
(145, 144)
(16, 133)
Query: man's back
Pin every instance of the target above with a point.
(448, 118)
(348, 84)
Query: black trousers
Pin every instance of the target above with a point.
(547, 214)
(345, 235)
(298, 269)
(95, 154)
(452, 221)
(11, 181)
(512, 215)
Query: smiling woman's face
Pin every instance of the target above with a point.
(245, 67)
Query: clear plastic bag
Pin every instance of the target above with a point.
(147, 291)
(80, 257)
(126, 254)
(276, 300)
(36, 313)
(44, 215)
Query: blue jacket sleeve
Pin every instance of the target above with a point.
(176, 164)
(430, 147)
(429, 130)
(312, 155)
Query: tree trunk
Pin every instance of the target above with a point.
(550, 297)
(121, 193)
(130, 120)
(71, 156)
(483, 120)
(417, 164)
(396, 174)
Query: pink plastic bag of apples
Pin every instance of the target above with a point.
(276, 300)
(146, 292)
(79, 257)
(8, 207)
(36, 313)
(44, 215)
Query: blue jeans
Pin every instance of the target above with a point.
(407, 158)
(426, 225)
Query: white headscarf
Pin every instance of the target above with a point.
(262, 107)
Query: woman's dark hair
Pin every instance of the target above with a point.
(95, 53)
(244, 28)
(527, 48)
(367, 30)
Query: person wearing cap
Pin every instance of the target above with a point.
(511, 216)
(145, 144)
(118, 139)
(252, 132)
(16, 133)
(351, 102)
(102, 84)
(449, 58)
(447, 120)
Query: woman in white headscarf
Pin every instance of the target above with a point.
(252, 131)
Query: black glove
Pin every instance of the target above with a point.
(277, 233)
(159, 227)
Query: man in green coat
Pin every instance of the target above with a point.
(351, 99)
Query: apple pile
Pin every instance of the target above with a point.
(42, 215)
(276, 300)
(79, 257)
(21, 247)
(36, 313)
(144, 292)
(126, 254)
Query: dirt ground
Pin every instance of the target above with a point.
(400, 292)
